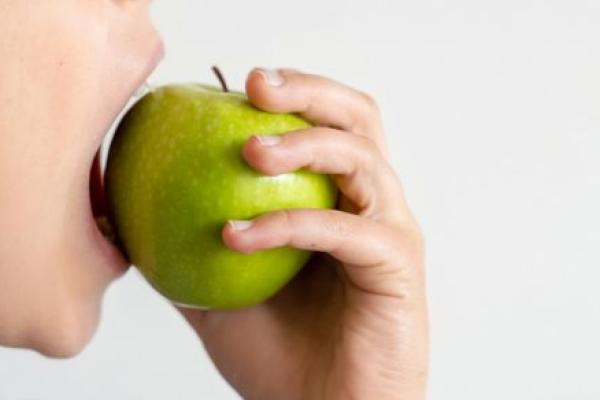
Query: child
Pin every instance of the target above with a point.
(351, 325)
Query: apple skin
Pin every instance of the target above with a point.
(175, 175)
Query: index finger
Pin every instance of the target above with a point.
(320, 100)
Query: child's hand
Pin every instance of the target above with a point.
(353, 323)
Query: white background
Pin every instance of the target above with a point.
(492, 111)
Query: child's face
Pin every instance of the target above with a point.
(68, 67)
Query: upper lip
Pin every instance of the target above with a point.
(157, 56)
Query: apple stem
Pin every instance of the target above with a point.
(220, 77)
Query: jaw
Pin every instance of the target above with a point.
(90, 259)
(55, 263)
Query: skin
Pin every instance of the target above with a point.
(69, 66)
(353, 324)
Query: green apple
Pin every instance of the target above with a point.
(176, 175)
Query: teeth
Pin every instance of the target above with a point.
(106, 229)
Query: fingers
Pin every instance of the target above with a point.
(376, 258)
(361, 173)
(320, 100)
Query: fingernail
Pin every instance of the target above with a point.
(272, 76)
(240, 225)
(269, 140)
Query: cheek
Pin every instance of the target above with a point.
(62, 72)
(72, 66)
(82, 64)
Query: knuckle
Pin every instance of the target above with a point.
(399, 270)
(368, 101)
(336, 224)
(367, 152)
(408, 250)
(283, 217)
